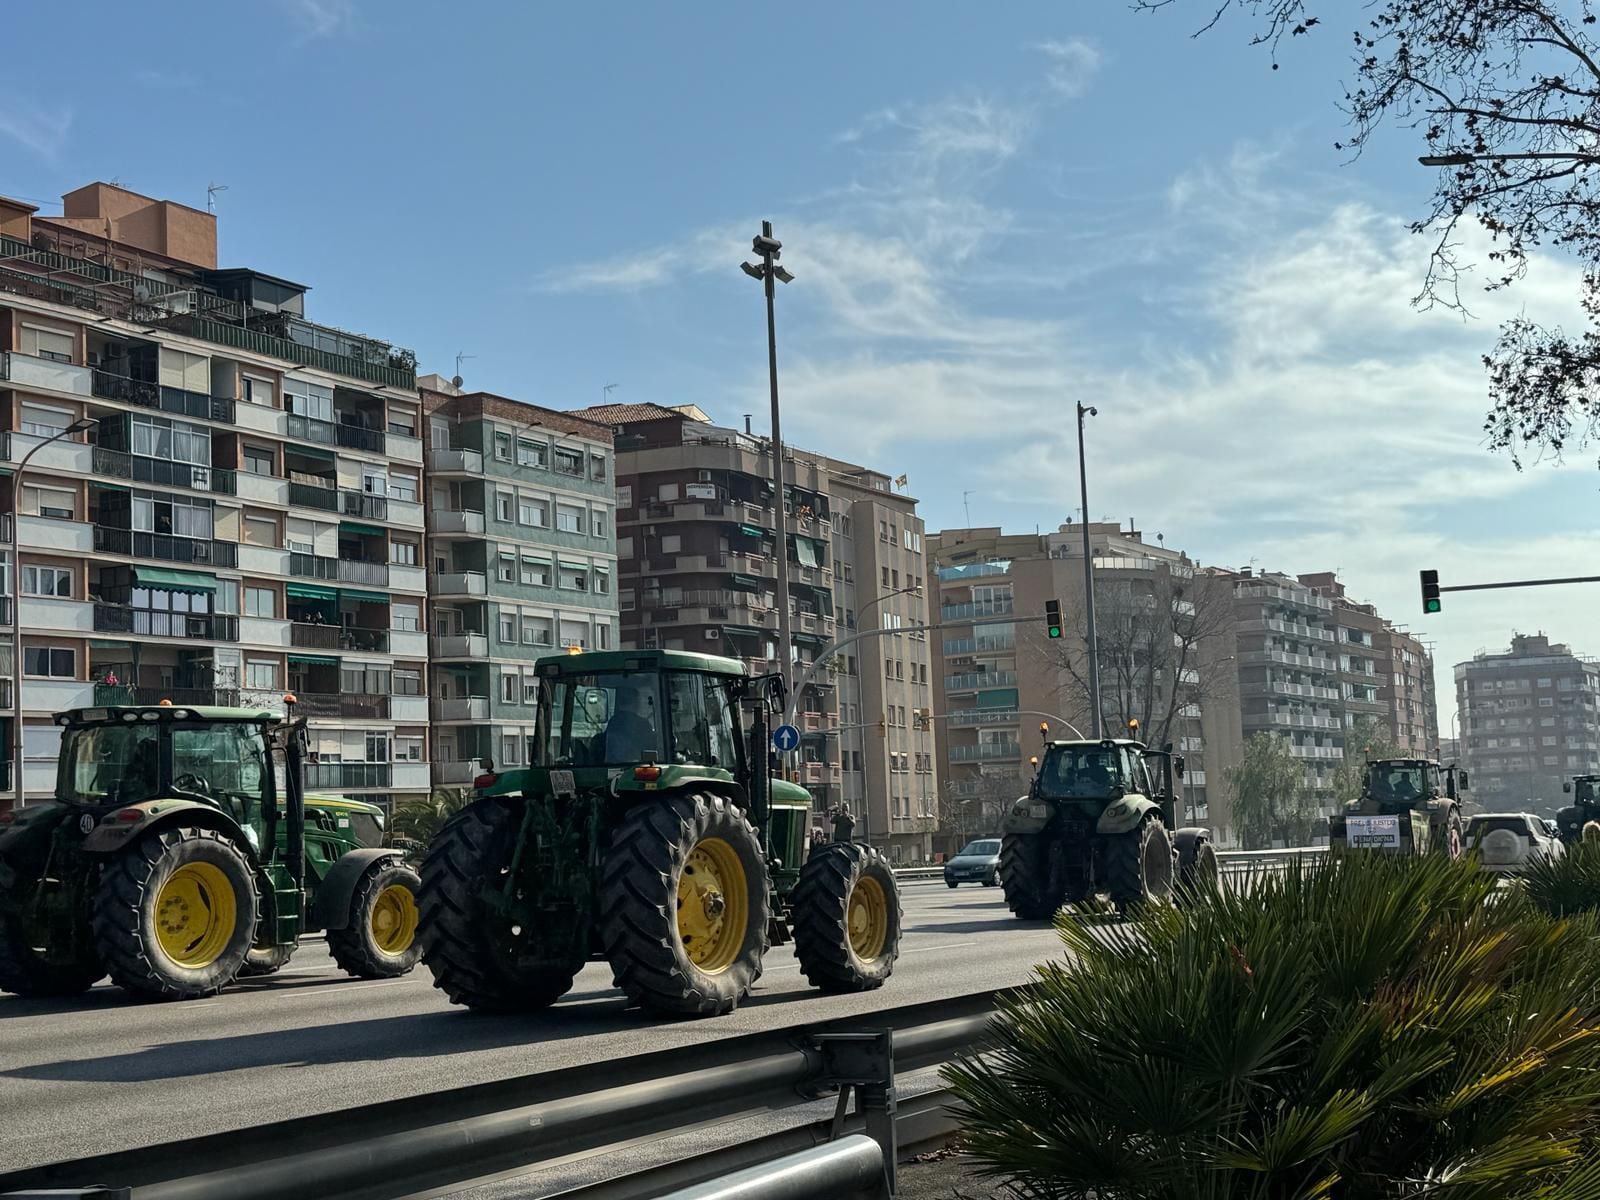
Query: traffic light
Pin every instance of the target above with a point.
(921, 717)
(1052, 618)
(1430, 592)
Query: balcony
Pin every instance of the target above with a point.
(461, 645)
(405, 448)
(1302, 721)
(1285, 658)
(1249, 590)
(979, 716)
(166, 547)
(64, 455)
(50, 533)
(1321, 753)
(314, 637)
(206, 627)
(983, 570)
(353, 570)
(457, 520)
(359, 437)
(455, 462)
(26, 371)
(408, 643)
(120, 693)
(1314, 633)
(317, 704)
(403, 577)
(56, 695)
(974, 680)
(466, 708)
(408, 776)
(261, 419)
(978, 608)
(263, 560)
(313, 566)
(409, 708)
(364, 641)
(461, 583)
(374, 361)
(982, 645)
(456, 774)
(260, 631)
(312, 495)
(309, 429)
(986, 752)
(163, 471)
(266, 488)
(343, 776)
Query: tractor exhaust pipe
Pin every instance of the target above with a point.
(294, 790)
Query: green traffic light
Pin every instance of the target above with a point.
(1055, 631)
(1432, 606)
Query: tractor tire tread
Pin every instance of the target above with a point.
(820, 912)
(352, 947)
(1024, 874)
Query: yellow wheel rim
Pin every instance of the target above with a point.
(713, 906)
(868, 919)
(196, 914)
(394, 919)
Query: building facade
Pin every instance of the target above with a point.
(522, 564)
(1530, 717)
(697, 546)
(243, 515)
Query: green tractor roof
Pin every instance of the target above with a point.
(100, 714)
(1098, 742)
(593, 661)
(319, 800)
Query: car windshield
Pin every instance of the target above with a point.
(1394, 781)
(603, 719)
(1087, 772)
(983, 848)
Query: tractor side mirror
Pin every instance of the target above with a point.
(777, 694)
(1461, 781)
(1178, 766)
(1566, 786)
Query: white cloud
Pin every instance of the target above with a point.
(322, 18)
(42, 130)
(1072, 65)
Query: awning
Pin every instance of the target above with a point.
(306, 591)
(312, 452)
(314, 660)
(752, 531)
(357, 527)
(363, 597)
(809, 639)
(174, 581)
(745, 583)
(805, 551)
(568, 564)
(740, 633)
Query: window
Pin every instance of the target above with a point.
(260, 602)
(1544, 682)
(55, 503)
(258, 460)
(574, 576)
(508, 627)
(602, 636)
(530, 569)
(1548, 741)
(672, 543)
(509, 748)
(502, 506)
(255, 390)
(536, 631)
(306, 399)
(407, 748)
(625, 495)
(625, 547)
(531, 453)
(261, 674)
(152, 437)
(171, 514)
(227, 594)
(47, 581)
(533, 512)
(602, 580)
(508, 687)
(1547, 702)
(597, 466)
(261, 531)
(402, 552)
(626, 600)
(403, 422)
(44, 420)
(502, 447)
(569, 520)
(377, 747)
(885, 576)
(597, 522)
(51, 662)
(667, 492)
(506, 571)
(403, 487)
(407, 681)
(916, 543)
(405, 616)
(47, 343)
(569, 461)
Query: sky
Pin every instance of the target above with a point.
(992, 212)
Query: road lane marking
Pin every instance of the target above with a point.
(917, 950)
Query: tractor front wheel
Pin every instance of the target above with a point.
(1139, 865)
(379, 940)
(176, 914)
(684, 905)
(26, 970)
(846, 915)
(478, 956)
(1450, 842)
(1198, 870)
(268, 961)
(1033, 891)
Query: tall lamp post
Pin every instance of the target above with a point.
(1088, 580)
(861, 729)
(81, 425)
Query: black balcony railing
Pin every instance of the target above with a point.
(310, 429)
(314, 637)
(367, 641)
(122, 693)
(130, 391)
(196, 404)
(347, 775)
(358, 437)
(162, 471)
(363, 504)
(108, 540)
(313, 566)
(144, 622)
(311, 495)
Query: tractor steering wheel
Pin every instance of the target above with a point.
(193, 784)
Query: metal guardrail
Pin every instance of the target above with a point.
(1227, 860)
(441, 1139)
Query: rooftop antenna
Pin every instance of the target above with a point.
(605, 392)
(461, 357)
(211, 195)
(967, 508)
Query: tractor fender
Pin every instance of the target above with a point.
(119, 827)
(1125, 815)
(1188, 840)
(1028, 814)
(330, 907)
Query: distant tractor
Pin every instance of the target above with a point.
(1585, 807)
(649, 833)
(1406, 806)
(168, 860)
(1097, 820)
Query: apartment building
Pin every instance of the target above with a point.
(697, 546)
(523, 563)
(1530, 717)
(243, 515)
(1165, 650)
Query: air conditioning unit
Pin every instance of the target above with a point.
(713, 635)
(703, 476)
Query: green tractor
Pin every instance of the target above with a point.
(1585, 807)
(1098, 820)
(1406, 806)
(648, 833)
(168, 860)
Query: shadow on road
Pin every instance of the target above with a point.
(994, 925)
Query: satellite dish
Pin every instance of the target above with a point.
(455, 381)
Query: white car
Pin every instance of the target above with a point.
(1507, 842)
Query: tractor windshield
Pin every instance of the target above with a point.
(124, 764)
(110, 764)
(607, 719)
(1398, 783)
(1081, 772)
(1585, 789)
(224, 763)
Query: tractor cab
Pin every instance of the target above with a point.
(1585, 806)
(1396, 785)
(1406, 806)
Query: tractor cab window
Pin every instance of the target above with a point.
(601, 720)
(1399, 783)
(1082, 772)
(1585, 790)
(111, 764)
(224, 763)
(701, 728)
(1139, 771)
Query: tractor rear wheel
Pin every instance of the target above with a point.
(1032, 891)
(1139, 865)
(175, 914)
(846, 915)
(1450, 844)
(379, 941)
(479, 957)
(1198, 870)
(684, 905)
(266, 962)
(26, 970)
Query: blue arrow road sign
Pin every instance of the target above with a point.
(785, 738)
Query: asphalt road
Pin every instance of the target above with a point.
(103, 1073)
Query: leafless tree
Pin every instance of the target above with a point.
(1507, 92)
(964, 815)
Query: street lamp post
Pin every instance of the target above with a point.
(1088, 579)
(78, 426)
(866, 794)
